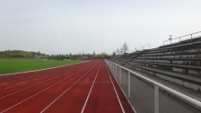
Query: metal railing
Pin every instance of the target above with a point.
(142, 48)
(191, 37)
(188, 100)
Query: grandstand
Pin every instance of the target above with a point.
(178, 62)
(175, 65)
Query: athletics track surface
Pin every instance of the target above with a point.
(82, 88)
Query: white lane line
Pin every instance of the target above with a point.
(57, 71)
(84, 106)
(21, 82)
(122, 108)
(59, 67)
(37, 93)
(39, 78)
(31, 96)
(64, 92)
(37, 84)
(27, 87)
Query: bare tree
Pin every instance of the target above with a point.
(117, 51)
(124, 47)
(94, 54)
(114, 53)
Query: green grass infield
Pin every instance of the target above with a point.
(22, 65)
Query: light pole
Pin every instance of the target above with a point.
(170, 39)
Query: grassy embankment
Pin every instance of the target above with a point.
(21, 65)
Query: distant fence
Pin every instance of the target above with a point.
(116, 70)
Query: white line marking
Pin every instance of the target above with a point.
(116, 92)
(26, 88)
(125, 95)
(23, 82)
(36, 84)
(64, 92)
(83, 108)
(38, 78)
(36, 94)
(31, 72)
(31, 96)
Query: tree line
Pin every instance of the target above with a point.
(21, 54)
(79, 56)
(39, 55)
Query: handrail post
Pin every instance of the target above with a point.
(116, 71)
(113, 68)
(156, 99)
(129, 84)
(192, 38)
(110, 66)
(119, 75)
(170, 39)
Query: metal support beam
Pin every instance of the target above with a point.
(119, 75)
(129, 88)
(113, 69)
(116, 71)
(156, 99)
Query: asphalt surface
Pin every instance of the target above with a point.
(142, 95)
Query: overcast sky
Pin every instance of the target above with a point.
(77, 26)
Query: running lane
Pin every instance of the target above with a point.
(83, 88)
(105, 95)
(17, 98)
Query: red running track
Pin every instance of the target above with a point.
(82, 88)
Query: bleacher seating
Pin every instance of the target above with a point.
(179, 62)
